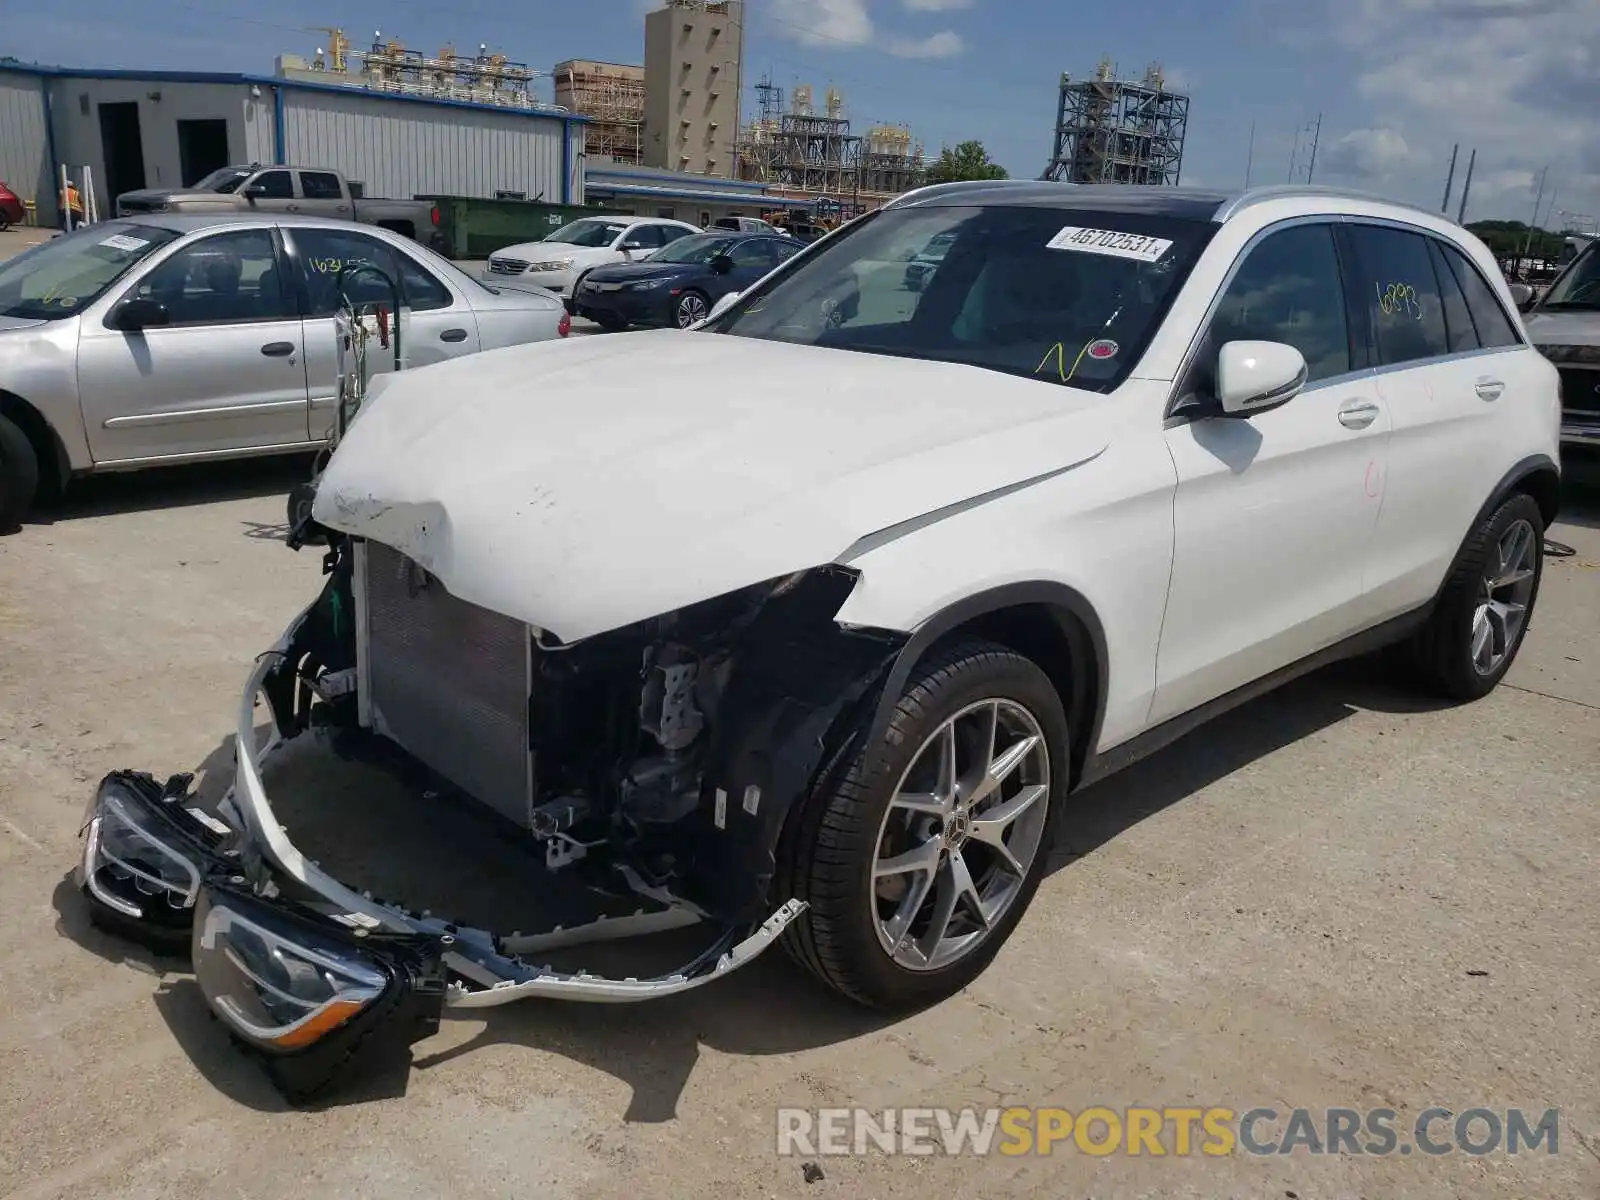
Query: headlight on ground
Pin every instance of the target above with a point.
(126, 864)
(277, 983)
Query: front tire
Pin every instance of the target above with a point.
(918, 859)
(1472, 637)
(692, 307)
(19, 475)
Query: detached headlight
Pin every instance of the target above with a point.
(129, 868)
(645, 285)
(281, 985)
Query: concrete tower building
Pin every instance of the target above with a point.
(693, 73)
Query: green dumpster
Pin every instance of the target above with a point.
(475, 227)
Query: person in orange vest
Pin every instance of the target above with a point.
(73, 203)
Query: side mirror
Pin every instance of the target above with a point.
(1521, 296)
(255, 190)
(721, 264)
(139, 313)
(1253, 377)
(723, 305)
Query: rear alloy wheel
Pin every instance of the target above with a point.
(691, 307)
(1475, 631)
(919, 861)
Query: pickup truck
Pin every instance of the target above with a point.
(308, 191)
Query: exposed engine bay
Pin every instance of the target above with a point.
(662, 762)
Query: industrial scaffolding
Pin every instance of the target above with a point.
(817, 153)
(1117, 131)
(388, 66)
(611, 95)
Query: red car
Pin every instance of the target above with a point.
(11, 212)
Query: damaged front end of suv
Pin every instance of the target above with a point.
(660, 760)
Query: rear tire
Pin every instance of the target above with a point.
(19, 475)
(1473, 634)
(867, 931)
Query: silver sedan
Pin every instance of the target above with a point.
(166, 339)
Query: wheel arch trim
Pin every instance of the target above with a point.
(34, 425)
(1082, 625)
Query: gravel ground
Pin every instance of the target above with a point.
(1336, 896)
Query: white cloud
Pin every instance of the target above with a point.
(944, 44)
(1366, 154)
(935, 5)
(825, 22)
(1517, 79)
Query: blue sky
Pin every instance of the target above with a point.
(1397, 81)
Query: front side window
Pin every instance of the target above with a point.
(673, 233)
(1288, 289)
(1064, 296)
(62, 277)
(1399, 294)
(753, 252)
(227, 279)
(642, 237)
(273, 185)
(589, 232)
(320, 185)
(701, 248)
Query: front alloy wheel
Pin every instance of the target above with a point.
(917, 856)
(960, 834)
(691, 307)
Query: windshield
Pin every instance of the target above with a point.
(697, 248)
(1579, 285)
(1062, 295)
(63, 276)
(590, 231)
(226, 179)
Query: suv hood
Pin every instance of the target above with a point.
(581, 486)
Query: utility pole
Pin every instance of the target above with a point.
(1466, 186)
(1295, 153)
(1538, 199)
(1316, 136)
(1250, 156)
(1450, 179)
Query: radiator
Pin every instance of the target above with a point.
(446, 680)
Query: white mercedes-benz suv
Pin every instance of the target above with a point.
(805, 624)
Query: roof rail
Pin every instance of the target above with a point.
(960, 185)
(1288, 191)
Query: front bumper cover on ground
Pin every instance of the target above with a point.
(305, 970)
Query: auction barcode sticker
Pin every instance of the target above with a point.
(1109, 241)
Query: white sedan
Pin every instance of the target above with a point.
(559, 261)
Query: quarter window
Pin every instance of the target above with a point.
(1494, 327)
(1288, 290)
(1400, 294)
(228, 279)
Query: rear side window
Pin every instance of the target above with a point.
(319, 185)
(1458, 324)
(1399, 294)
(1494, 327)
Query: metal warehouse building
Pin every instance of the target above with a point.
(140, 129)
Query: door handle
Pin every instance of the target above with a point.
(453, 335)
(278, 349)
(1357, 414)
(1489, 389)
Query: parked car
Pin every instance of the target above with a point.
(307, 191)
(12, 211)
(926, 260)
(678, 285)
(744, 225)
(1564, 324)
(560, 260)
(807, 628)
(171, 338)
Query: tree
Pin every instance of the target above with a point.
(1505, 240)
(969, 160)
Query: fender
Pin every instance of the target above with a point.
(1079, 623)
(1531, 465)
